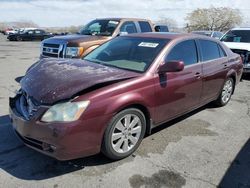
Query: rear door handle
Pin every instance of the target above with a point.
(198, 75)
(225, 65)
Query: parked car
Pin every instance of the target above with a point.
(214, 34)
(120, 91)
(13, 31)
(7, 31)
(93, 35)
(238, 40)
(29, 34)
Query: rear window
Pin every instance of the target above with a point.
(217, 35)
(209, 50)
(145, 26)
(237, 36)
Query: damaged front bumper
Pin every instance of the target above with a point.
(60, 140)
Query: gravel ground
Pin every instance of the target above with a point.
(209, 147)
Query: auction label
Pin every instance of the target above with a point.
(148, 44)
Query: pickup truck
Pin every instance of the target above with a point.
(93, 35)
(238, 40)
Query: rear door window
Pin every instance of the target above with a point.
(209, 50)
(38, 32)
(30, 32)
(222, 52)
(185, 51)
(145, 26)
(128, 27)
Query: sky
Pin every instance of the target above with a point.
(60, 13)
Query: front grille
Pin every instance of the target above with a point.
(53, 50)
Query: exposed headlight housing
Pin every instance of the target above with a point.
(41, 48)
(65, 112)
(72, 52)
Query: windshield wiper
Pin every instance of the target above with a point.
(94, 61)
(118, 67)
(103, 34)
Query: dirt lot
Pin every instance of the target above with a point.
(207, 148)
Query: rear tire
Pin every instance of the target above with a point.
(124, 134)
(226, 92)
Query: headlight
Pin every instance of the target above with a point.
(69, 111)
(74, 52)
(41, 48)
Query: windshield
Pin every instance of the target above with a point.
(100, 27)
(129, 53)
(237, 36)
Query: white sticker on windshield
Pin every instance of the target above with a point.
(113, 22)
(148, 44)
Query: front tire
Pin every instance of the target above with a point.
(226, 92)
(124, 134)
(19, 38)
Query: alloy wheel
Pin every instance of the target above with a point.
(126, 133)
(227, 91)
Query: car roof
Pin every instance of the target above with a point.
(163, 35)
(123, 19)
(241, 28)
(171, 36)
(210, 31)
(166, 35)
(203, 31)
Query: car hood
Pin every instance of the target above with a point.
(238, 45)
(76, 39)
(52, 80)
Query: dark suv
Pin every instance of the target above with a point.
(30, 34)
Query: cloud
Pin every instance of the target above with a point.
(78, 12)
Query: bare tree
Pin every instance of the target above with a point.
(172, 25)
(18, 24)
(24, 23)
(219, 19)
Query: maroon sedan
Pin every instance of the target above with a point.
(114, 96)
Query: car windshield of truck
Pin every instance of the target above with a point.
(237, 36)
(129, 53)
(100, 27)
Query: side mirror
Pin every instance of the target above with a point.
(18, 79)
(171, 66)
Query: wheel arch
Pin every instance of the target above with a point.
(144, 110)
(232, 75)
